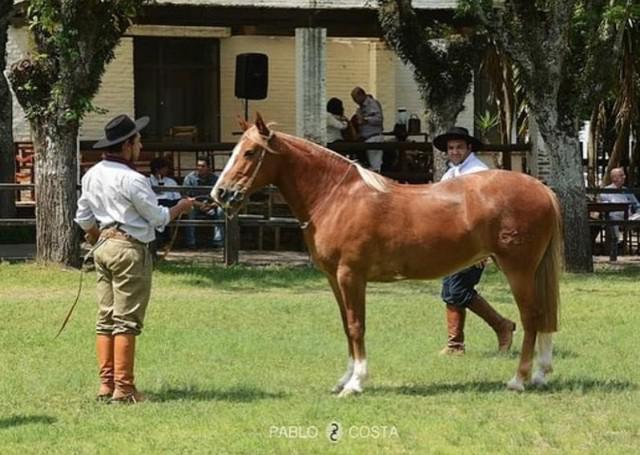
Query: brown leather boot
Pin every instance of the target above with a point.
(455, 329)
(104, 351)
(503, 327)
(124, 357)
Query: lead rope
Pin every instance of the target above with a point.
(172, 241)
(82, 269)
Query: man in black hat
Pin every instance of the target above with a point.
(119, 210)
(458, 290)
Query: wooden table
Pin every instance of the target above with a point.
(604, 209)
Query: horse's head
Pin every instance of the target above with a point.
(249, 168)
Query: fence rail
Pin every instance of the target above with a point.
(232, 226)
(223, 149)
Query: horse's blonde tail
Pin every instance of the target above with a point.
(547, 280)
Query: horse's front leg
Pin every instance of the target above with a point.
(352, 290)
(333, 281)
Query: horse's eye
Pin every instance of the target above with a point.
(249, 153)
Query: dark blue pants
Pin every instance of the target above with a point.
(459, 289)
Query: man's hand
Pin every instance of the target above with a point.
(186, 204)
(183, 205)
(92, 235)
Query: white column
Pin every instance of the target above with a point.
(311, 93)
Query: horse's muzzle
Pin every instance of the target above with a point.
(229, 199)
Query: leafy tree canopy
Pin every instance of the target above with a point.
(73, 41)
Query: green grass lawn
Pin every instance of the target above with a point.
(242, 361)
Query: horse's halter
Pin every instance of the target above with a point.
(239, 193)
(263, 153)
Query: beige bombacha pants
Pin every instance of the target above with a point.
(123, 288)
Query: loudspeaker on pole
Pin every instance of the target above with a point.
(252, 76)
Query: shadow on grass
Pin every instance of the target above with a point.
(16, 421)
(560, 386)
(234, 395)
(558, 353)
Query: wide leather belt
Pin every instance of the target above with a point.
(115, 233)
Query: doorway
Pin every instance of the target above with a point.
(177, 84)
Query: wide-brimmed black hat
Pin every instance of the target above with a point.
(119, 129)
(456, 132)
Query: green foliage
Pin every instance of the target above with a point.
(533, 32)
(73, 42)
(443, 57)
(486, 122)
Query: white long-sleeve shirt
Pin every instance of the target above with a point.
(470, 165)
(114, 193)
(335, 125)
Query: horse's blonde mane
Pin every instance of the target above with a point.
(372, 179)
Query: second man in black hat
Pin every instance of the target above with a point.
(458, 289)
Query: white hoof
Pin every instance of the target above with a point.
(539, 379)
(337, 388)
(516, 385)
(347, 392)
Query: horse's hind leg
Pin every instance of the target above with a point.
(545, 354)
(352, 289)
(343, 313)
(526, 361)
(522, 286)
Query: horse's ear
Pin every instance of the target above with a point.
(244, 125)
(262, 127)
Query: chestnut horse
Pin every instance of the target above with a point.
(360, 227)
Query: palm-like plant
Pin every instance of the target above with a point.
(626, 104)
(506, 92)
(620, 30)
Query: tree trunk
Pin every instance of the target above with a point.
(566, 179)
(439, 120)
(55, 162)
(7, 151)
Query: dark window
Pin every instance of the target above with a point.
(177, 84)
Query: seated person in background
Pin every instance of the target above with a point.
(203, 176)
(369, 120)
(336, 121)
(617, 182)
(158, 177)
